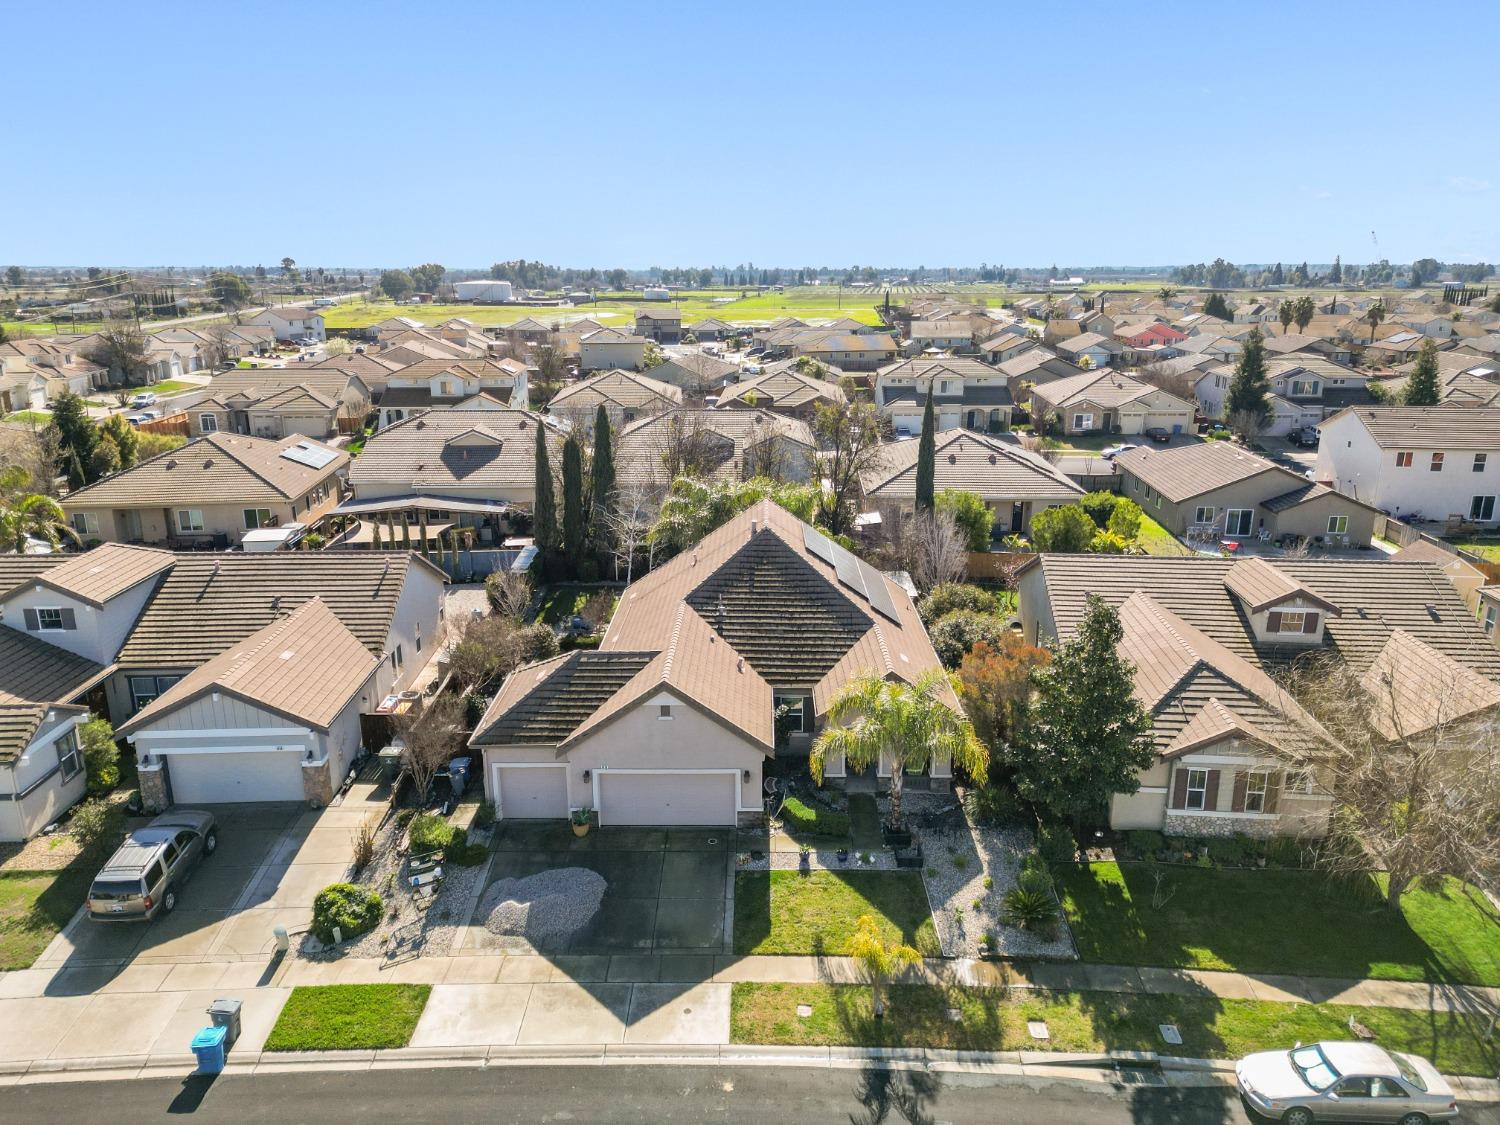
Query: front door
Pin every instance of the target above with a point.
(1017, 517)
(130, 526)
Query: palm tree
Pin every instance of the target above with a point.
(33, 516)
(1286, 312)
(1375, 315)
(905, 725)
(1166, 293)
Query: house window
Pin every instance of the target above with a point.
(1286, 621)
(68, 759)
(258, 517)
(791, 713)
(1197, 790)
(86, 523)
(1480, 461)
(208, 424)
(1299, 781)
(1490, 613)
(1083, 421)
(1203, 515)
(1256, 785)
(144, 689)
(189, 519)
(1437, 463)
(1338, 525)
(398, 657)
(49, 618)
(664, 711)
(1237, 521)
(1403, 459)
(1482, 508)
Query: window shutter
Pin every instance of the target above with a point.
(1310, 623)
(1241, 780)
(1211, 796)
(1273, 791)
(1179, 789)
(1273, 621)
(31, 622)
(69, 619)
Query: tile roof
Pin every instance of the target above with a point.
(995, 468)
(35, 675)
(1448, 426)
(1416, 687)
(622, 388)
(1191, 470)
(785, 389)
(547, 701)
(727, 435)
(1260, 584)
(257, 383)
(100, 574)
(219, 468)
(415, 454)
(305, 666)
(1103, 387)
(19, 723)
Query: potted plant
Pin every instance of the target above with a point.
(804, 859)
(581, 820)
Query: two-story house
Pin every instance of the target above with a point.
(439, 384)
(291, 323)
(965, 393)
(664, 325)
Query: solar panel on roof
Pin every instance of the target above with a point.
(305, 453)
(847, 568)
(878, 593)
(817, 543)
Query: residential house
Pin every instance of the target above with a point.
(1397, 347)
(624, 394)
(1207, 636)
(664, 325)
(714, 444)
(29, 366)
(1462, 574)
(1006, 346)
(1141, 334)
(1221, 488)
(276, 402)
(852, 352)
(965, 393)
(696, 374)
(1014, 483)
(951, 335)
(786, 390)
(291, 323)
(1416, 462)
(1105, 401)
(1037, 365)
(211, 491)
(1296, 345)
(711, 329)
(1097, 350)
(612, 349)
(715, 663)
(464, 467)
(439, 384)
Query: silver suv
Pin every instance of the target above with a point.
(142, 878)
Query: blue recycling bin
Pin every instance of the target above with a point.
(208, 1045)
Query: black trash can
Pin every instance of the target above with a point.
(226, 1014)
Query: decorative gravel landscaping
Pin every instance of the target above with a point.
(786, 912)
(1279, 921)
(991, 1020)
(348, 1017)
(543, 909)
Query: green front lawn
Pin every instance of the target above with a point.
(786, 912)
(29, 417)
(348, 1017)
(917, 1016)
(560, 603)
(34, 907)
(1485, 548)
(1301, 922)
(1157, 540)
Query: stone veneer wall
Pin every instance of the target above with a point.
(155, 790)
(317, 783)
(1177, 824)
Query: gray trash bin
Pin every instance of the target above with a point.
(390, 762)
(458, 775)
(226, 1014)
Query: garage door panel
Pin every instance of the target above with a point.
(532, 792)
(668, 798)
(218, 778)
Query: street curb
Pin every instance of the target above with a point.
(1114, 1069)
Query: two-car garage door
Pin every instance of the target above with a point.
(206, 779)
(708, 797)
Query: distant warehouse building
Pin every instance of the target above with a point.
(493, 292)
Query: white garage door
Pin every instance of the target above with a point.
(206, 779)
(531, 792)
(668, 798)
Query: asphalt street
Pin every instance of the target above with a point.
(624, 1094)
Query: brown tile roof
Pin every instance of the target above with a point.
(416, 454)
(305, 666)
(208, 602)
(1191, 470)
(1448, 426)
(218, 468)
(100, 574)
(544, 703)
(785, 389)
(640, 446)
(1103, 387)
(257, 383)
(1415, 687)
(995, 468)
(19, 723)
(620, 388)
(1260, 584)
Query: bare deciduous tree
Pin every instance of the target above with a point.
(431, 737)
(1179, 383)
(687, 447)
(509, 593)
(849, 435)
(1412, 767)
(629, 520)
(927, 545)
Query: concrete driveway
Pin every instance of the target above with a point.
(669, 889)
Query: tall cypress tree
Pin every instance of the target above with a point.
(574, 517)
(544, 511)
(1422, 387)
(1249, 405)
(602, 490)
(926, 456)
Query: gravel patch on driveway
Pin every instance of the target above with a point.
(546, 908)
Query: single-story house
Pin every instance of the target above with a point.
(717, 444)
(785, 390)
(696, 374)
(624, 394)
(1105, 401)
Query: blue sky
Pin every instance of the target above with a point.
(791, 134)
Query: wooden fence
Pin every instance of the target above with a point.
(1404, 535)
(170, 424)
(996, 566)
